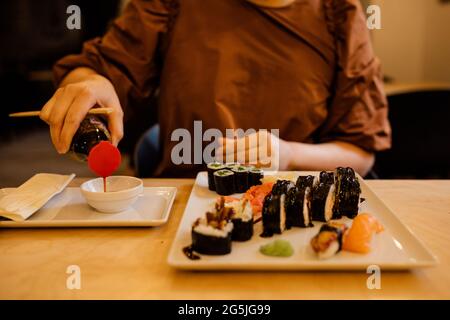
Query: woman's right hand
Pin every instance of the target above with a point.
(81, 90)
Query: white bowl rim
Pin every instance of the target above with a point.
(124, 191)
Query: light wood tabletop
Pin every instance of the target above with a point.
(127, 263)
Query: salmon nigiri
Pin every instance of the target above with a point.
(359, 237)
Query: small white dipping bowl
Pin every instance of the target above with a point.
(121, 193)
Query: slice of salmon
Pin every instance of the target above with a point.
(359, 237)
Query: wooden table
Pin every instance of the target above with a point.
(131, 263)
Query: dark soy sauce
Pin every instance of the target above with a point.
(189, 253)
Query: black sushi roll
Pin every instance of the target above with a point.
(210, 240)
(305, 181)
(282, 187)
(328, 241)
(242, 218)
(326, 177)
(255, 176)
(271, 217)
(211, 168)
(322, 201)
(242, 230)
(348, 192)
(298, 213)
(224, 182)
(240, 179)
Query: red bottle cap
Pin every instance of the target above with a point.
(104, 159)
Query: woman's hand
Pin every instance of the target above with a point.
(261, 148)
(81, 90)
(266, 150)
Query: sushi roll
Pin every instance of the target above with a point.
(347, 194)
(231, 165)
(242, 219)
(211, 168)
(271, 217)
(306, 181)
(211, 238)
(240, 179)
(274, 210)
(326, 177)
(298, 213)
(255, 176)
(323, 197)
(328, 241)
(224, 182)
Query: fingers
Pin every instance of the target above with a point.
(58, 114)
(75, 114)
(47, 108)
(253, 149)
(115, 125)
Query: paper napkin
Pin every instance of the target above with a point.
(21, 203)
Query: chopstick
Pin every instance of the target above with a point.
(36, 113)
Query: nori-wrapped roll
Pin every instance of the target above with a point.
(305, 181)
(322, 197)
(348, 192)
(326, 177)
(231, 165)
(240, 179)
(328, 241)
(271, 217)
(242, 218)
(274, 211)
(211, 168)
(322, 201)
(298, 213)
(210, 240)
(282, 187)
(254, 177)
(224, 182)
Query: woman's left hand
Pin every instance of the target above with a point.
(262, 149)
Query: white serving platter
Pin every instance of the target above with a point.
(397, 248)
(69, 209)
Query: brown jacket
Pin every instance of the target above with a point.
(308, 70)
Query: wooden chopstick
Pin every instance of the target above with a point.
(36, 113)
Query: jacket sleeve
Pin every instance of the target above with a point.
(127, 54)
(358, 110)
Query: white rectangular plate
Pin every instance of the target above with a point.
(394, 249)
(69, 209)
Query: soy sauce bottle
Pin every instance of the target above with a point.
(92, 131)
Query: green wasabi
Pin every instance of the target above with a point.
(277, 248)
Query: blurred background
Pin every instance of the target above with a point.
(413, 46)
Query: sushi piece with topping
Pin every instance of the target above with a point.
(255, 195)
(347, 194)
(274, 211)
(328, 241)
(211, 168)
(224, 182)
(211, 235)
(323, 197)
(240, 179)
(359, 237)
(242, 219)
